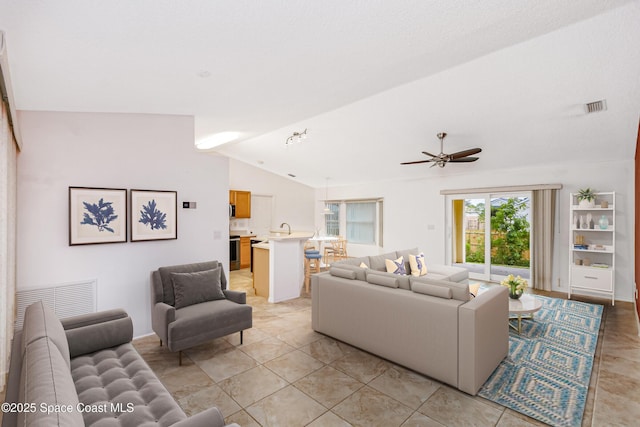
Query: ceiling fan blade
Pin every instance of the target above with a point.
(465, 153)
(429, 154)
(419, 161)
(464, 160)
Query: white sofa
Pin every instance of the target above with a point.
(427, 324)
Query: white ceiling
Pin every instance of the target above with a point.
(373, 81)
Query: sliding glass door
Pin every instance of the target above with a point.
(490, 234)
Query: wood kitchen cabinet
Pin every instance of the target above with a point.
(261, 272)
(245, 252)
(242, 201)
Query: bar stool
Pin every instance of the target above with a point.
(312, 260)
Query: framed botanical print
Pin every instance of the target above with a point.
(97, 215)
(154, 215)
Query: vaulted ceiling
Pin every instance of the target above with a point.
(372, 81)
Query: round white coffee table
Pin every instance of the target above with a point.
(526, 305)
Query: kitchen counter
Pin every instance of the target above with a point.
(294, 235)
(278, 269)
(241, 233)
(261, 245)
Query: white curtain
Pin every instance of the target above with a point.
(8, 189)
(543, 208)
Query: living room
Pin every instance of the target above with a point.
(65, 146)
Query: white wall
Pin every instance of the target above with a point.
(132, 151)
(293, 202)
(412, 206)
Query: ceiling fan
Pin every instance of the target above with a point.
(442, 159)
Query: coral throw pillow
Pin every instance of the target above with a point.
(418, 266)
(395, 267)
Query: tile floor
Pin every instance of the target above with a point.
(287, 375)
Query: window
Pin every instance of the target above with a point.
(332, 222)
(491, 234)
(360, 221)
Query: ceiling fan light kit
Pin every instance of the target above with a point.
(442, 159)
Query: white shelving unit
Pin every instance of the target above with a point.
(592, 246)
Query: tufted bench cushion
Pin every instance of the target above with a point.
(118, 380)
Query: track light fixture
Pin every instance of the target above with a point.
(296, 137)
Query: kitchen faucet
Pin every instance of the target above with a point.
(283, 224)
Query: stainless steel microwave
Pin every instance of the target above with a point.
(232, 211)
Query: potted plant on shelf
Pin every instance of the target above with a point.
(586, 198)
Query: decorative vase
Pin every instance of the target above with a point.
(586, 203)
(583, 224)
(514, 293)
(603, 222)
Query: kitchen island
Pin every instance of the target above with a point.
(278, 270)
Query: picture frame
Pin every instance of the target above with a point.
(153, 215)
(97, 215)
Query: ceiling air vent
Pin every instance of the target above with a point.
(596, 106)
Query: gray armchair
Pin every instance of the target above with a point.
(192, 305)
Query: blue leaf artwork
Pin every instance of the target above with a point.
(100, 215)
(152, 217)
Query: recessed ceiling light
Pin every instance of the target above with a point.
(216, 140)
(204, 74)
(291, 175)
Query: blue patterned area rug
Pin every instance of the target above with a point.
(546, 374)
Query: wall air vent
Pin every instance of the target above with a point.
(595, 107)
(69, 299)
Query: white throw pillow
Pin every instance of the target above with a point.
(395, 267)
(417, 264)
(363, 265)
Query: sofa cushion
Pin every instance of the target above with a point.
(120, 375)
(403, 281)
(395, 266)
(417, 264)
(46, 380)
(90, 338)
(359, 271)
(197, 287)
(343, 272)
(454, 274)
(432, 290)
(459, 291)
(167, 283)
(377, 262)
(195, 321)
(352, 261)
(388, 280)
(435, 276)
(41, 321)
